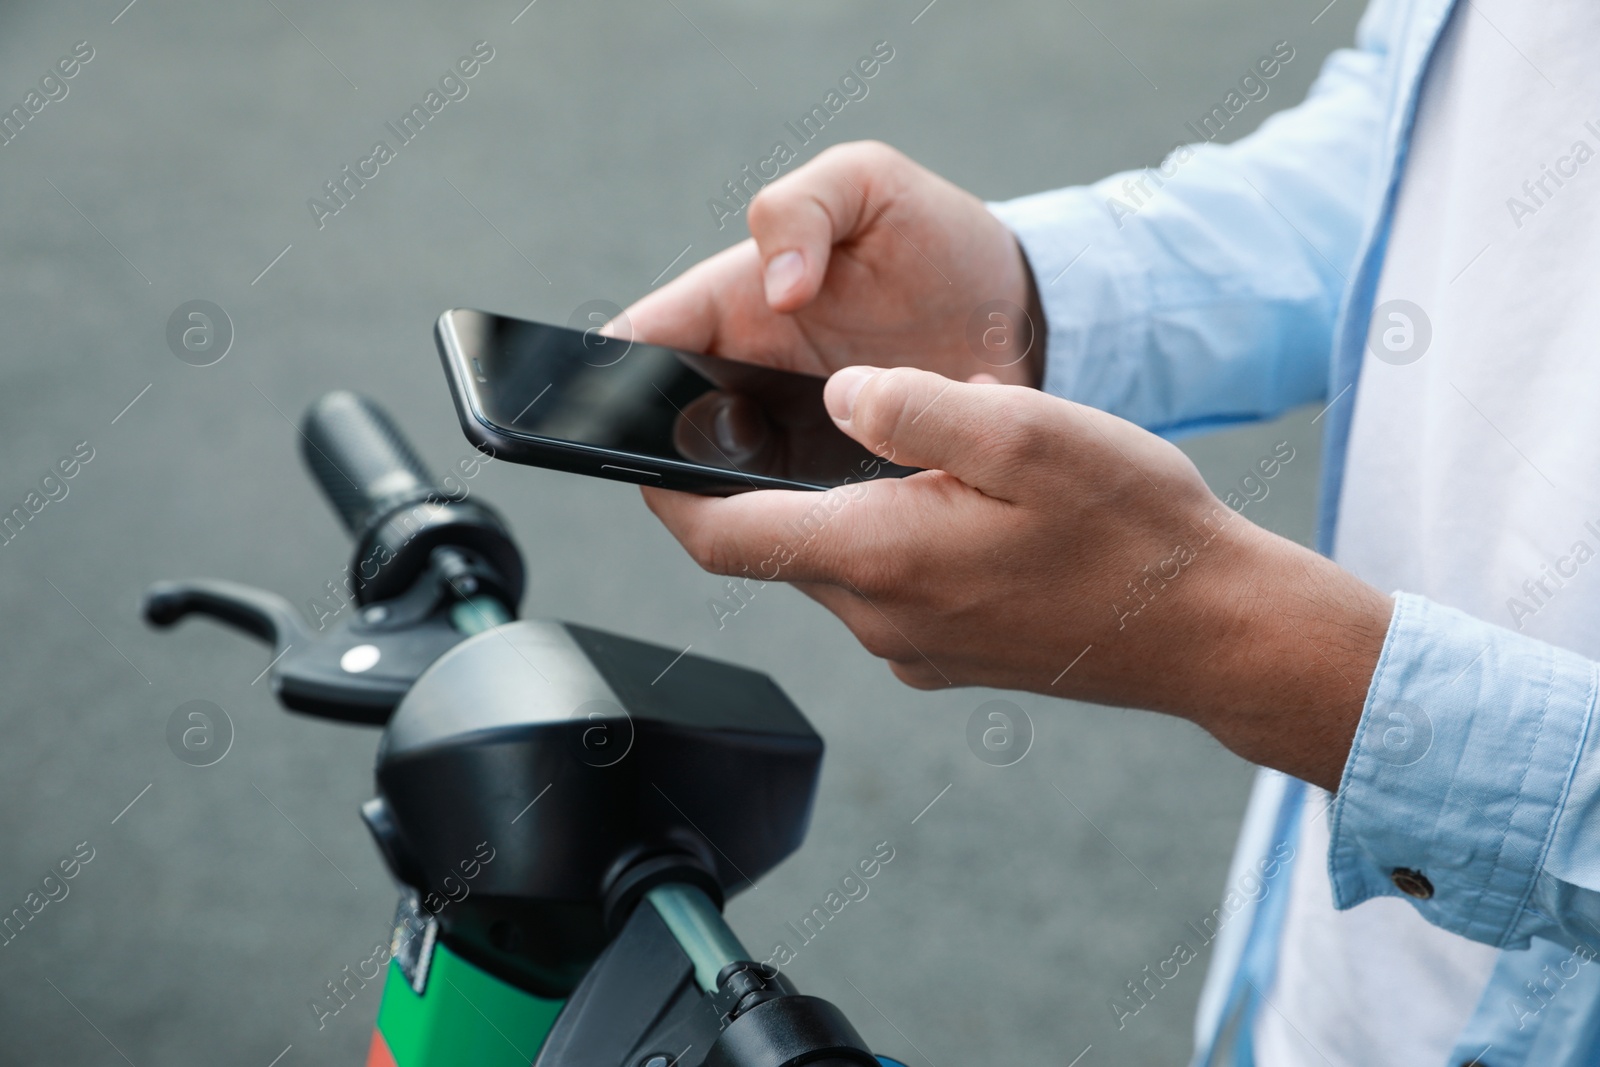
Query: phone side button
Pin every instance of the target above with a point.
(631, 474)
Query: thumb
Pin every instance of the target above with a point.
(989, 436)
(798, 219)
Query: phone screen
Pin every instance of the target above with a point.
(529, 379)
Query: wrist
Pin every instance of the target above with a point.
(1019, 294)
(1291, 644)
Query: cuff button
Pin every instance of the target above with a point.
(1411, 883)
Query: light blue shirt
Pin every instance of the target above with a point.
(1242, 285)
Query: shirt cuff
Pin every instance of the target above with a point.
(1462, 764)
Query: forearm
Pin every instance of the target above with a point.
(1265, 644)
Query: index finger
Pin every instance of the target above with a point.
(716, 307)
(770, 534)
(687, 312)
(798, 219)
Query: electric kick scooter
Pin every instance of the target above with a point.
(565, 809)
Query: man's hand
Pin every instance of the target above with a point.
(860, 256)
(1055, 548)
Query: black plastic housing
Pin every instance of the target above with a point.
(573, 754)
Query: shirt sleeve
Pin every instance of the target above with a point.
(1204, 291)
(1473, 785)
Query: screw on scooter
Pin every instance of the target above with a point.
(565, 809)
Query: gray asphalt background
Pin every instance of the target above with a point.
(1017, 906)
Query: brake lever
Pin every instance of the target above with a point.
(356, 671)
(257, 612)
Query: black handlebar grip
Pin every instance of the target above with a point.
(360, 459)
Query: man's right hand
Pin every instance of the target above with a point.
(860, 257)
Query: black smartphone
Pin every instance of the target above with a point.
(577, 400)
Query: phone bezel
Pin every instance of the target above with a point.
(575, 457)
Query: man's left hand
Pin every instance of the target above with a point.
(1052, 547)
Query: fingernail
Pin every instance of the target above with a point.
(783, 274)
(840, 395)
